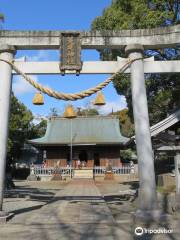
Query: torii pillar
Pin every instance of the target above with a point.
(147, 190)
(7, 53)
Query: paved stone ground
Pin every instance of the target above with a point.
(78, 210)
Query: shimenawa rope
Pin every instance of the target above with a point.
(70, 96)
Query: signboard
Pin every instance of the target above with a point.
(70, 52)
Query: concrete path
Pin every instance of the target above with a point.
(77, 212)
(80, 210)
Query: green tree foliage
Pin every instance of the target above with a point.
(21, 128)
(136, 14)
(126, 125)
(128, 155)
(1, 17)
(87, 112)
(38, 130)
(163, 90)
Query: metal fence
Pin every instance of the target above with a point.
(125, 169)
(99, 170)
(40, 170)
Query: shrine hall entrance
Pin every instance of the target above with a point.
(96, 159)
(83, 157)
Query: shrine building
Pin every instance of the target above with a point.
(95, 141)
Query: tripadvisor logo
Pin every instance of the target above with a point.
(138, 231)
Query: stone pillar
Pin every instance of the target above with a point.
(147, 189)
(177, 175)
(6, 52)
(177, 172)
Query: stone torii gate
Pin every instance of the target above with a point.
(134, 42)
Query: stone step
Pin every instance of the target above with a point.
(83, 173)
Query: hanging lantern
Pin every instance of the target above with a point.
(70, 112)
(100, 99)
(38, 99)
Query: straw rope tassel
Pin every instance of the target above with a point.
(70, 96)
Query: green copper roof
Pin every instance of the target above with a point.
(85, 130)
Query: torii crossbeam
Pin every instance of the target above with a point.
(134, 42)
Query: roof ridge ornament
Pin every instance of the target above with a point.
(70, 112)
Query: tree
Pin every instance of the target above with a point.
(21, 128)
(126, 125)
(38, 130)
(53, 112)
(1, 19)
(163, 91)
(88, 112)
